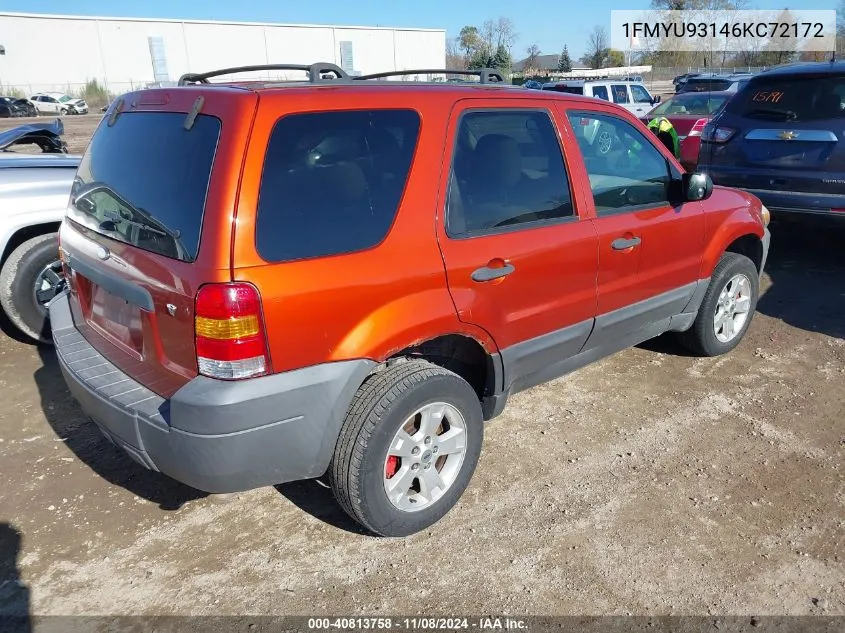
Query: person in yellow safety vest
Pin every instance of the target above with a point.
(665, 131)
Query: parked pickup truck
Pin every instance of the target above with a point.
(269, 283)
(34, 192)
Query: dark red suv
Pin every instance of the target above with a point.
(348, 276)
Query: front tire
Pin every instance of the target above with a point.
(727, 309)
(407, 449)
(29, 279)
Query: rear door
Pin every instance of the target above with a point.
(519, 251)
(149, 220)
(786, 133)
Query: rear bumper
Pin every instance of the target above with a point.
(780, 200)
(216, 436)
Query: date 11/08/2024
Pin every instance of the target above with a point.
(763, 30)
(417, 623)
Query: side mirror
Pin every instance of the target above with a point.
(696, 186)
(655, 100)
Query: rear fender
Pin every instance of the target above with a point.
(405, 322)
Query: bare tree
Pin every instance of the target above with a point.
(532, 61)
(596, 47)
(455, 58)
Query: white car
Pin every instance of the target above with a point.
(58, 103)
(631, 95)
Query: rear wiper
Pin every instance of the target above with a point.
(784, 115)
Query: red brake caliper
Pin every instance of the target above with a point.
(391, 467)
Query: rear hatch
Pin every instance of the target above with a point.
(149, 221)
(784, 133)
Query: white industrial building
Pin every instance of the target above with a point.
(59, 52)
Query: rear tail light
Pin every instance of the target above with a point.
(716, 134)
(231, 338)
(838, 210)
(698, 127)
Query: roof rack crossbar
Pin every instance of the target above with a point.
(316, 72)
(486, 75)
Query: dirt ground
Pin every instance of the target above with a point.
(649, 483)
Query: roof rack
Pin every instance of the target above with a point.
(316, 72)
(486, 75)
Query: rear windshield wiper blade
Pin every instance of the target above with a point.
(784, 115)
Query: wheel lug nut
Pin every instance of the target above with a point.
(434, 450)
(415, 450)
(427, 441)
(415, 466)
(427, 466)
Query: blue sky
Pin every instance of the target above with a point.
(548, 23)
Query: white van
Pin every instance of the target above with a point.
(631, 95)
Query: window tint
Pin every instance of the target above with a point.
(692, 103)
(620, 93)
(625, 169)
(575, 90)
(640, 94)
(507, 169)
(332, 181)
(707, 85)
(600, 92)
(791, 99)
(143, 181)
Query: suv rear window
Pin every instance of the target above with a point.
(791, 99)
(707, 85)
(143, 181)
(332, 181)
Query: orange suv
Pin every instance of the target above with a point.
(347, 276)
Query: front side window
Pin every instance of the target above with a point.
(332, 182)
(620, 93)
(626, 171)
(600, 92)
(640, 94)
(507, 170)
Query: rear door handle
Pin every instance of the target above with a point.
(621, 243)
(489, 273)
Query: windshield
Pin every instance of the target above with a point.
(791, 99)
(696, 103)
(64, 99)
(143, 181)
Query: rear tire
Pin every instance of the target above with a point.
(734, 275)
(19, 284)
(385, 405)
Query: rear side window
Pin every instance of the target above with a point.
(620, 93)
(143, 181)
(600, 92)
(332, 182)
(507, 170)
(791, 99)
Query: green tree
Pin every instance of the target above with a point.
(469, 41)
(564, 64)
(502, 58)
(614, 58)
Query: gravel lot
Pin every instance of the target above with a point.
(650, 483)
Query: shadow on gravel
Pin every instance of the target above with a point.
(807, 268)
(14, 594)
(316, 499)
(88, 444)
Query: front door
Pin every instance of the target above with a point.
(520, 256)
(650, 247)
